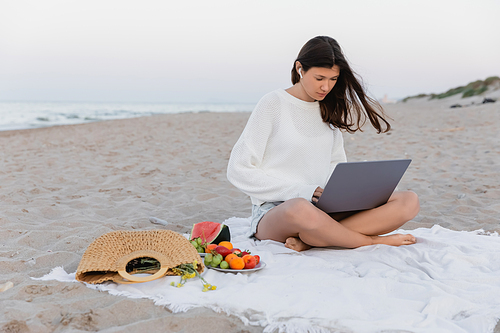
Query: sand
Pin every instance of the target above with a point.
(62, 187)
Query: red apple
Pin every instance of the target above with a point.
(223, 251)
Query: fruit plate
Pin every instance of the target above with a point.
(259, 266)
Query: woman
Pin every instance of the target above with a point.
(290, 146)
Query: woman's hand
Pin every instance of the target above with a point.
(317, 193)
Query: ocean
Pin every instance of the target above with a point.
(25, 115)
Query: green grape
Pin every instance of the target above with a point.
(224, 265)
(216, 261)
(194, 243)
(208, 259)
(200, 249)
(199, 241)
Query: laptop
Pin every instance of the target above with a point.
(355, 186)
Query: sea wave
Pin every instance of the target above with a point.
(24, 115)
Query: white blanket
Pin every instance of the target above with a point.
(448, 282)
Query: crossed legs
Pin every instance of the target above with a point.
(300, 225)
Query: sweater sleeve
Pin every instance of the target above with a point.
(244, 170)
(338, 151)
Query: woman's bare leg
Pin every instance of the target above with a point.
(298, 218)
(334, 234)
(399, 209)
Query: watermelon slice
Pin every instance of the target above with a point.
(211, 232)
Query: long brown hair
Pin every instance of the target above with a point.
(346, 106)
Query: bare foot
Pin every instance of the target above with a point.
(296, 244)
(395, 240)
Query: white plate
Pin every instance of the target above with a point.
(259, 266)
(202, 255)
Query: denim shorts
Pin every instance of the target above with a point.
(258, 213)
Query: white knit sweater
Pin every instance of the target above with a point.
(285, 151)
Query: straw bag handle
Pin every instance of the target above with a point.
(123, 261)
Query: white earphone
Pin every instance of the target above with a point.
(300, 72)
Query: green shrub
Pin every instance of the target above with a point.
(449, 93)
(472, 89)
(416, 96)
(474, 92)
(492, 79)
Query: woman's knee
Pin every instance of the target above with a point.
(296, 207)
(411, 205)
(302, 213)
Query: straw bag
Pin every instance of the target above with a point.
(106, 257)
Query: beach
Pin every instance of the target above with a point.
(61, 187)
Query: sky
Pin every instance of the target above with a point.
(202, 51)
